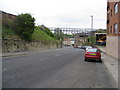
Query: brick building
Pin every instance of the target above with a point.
(68, 41)
(80, 39)
(113, 29)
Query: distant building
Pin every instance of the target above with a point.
(68, 41)
(6, 17)
(80, 39)
(113, 29)
(42, 27)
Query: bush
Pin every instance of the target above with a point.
(101, 31)
(47, 31)
(24, 26)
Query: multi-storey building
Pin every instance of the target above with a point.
(113, 29)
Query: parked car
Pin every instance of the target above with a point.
(77, 46)
(83, 47)
(93, 54)
(88, 47)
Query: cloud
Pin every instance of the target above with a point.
(73, 13)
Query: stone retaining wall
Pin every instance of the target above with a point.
(15, 45)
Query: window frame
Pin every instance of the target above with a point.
(115, 28)
(116, 8)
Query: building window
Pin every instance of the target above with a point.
(116, 8)
(111, 12)
(108, 7)
(115, 28)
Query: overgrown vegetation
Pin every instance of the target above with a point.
(101, 31)
(46, 30)
(24, 26)
(8, 33)
(40, 35)
(68, 36)
(90, 40)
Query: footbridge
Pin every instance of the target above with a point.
(67, 30)
(79, 35)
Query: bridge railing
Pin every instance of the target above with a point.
(72, 30)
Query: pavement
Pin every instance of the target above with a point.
(58, 68)
(111, 64)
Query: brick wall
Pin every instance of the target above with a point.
(113, 18)
(113, 39)
(113, 47)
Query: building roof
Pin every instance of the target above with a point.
(7, 13)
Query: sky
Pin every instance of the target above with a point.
(60, 13)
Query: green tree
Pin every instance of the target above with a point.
(24, 26)
(91, 40)
(101, 31)
(46, 30)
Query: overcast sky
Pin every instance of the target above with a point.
(60, 13)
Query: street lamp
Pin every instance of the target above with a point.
(91, 33)
(91, 23)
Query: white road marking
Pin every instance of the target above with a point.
(56, 49)
(57, 54)
(4, 80)
(4, 69)
(43, 59)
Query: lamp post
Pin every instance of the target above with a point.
(91, 23)
(91, 28)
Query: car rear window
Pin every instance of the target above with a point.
(88, 47)
(91, 50)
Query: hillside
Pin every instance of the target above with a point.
(38, 35)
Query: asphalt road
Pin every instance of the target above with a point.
(59, 68)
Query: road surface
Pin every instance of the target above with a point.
(58, 68)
